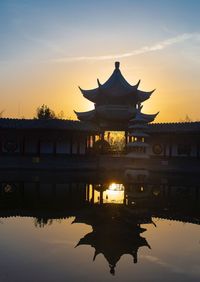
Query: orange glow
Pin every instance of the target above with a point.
(114, 193)
(57, 86)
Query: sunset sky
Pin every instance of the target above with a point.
(50, 47)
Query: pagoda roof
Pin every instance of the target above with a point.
(116, 90)
(115, 232)
(86, 116)
(114, 244)
(141, 118)
(149, 117)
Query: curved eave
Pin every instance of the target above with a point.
(86, 116)
(143, 96)
(149, 118)
(91, 95)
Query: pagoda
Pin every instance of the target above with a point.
(137, 146)
(115, 103)
(115, 232)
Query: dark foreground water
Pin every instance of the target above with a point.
(90, 228)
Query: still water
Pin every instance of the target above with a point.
(91, 228)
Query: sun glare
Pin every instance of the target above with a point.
(114, 193)
(116, 187)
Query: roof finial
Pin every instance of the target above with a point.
(117, 65)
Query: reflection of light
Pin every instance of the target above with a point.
(114, 193)
(116, 187)
(8, 188)
(112, 186)
(156, 192)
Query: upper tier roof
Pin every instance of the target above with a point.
(116, 90)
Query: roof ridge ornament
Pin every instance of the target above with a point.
(99, 83)
(117, 64)
(137, 85)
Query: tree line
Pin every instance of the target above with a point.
(44, 112)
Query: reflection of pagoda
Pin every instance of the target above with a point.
(115, 233)
(116, 102)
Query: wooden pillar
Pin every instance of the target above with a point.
(86, 144)
(168, 191)
(196, 193)
(170, 146)
(125, 191)
(38, 147)
(22, 147)
(102, 135)
(87, 192)
(164, 191)
(93, 140)
(101, 196)
(71, 144)
(22, 189)
(126, 137)
(78, 145)
(54, 190)
(198, 151)
(38, 190)
(54, 147)
(165, 146)
(92, 199)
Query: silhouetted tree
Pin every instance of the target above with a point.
(60, 115)
(1, 113)
(44, 112)
(42, 221)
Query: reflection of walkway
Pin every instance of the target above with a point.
(116, 228)
(115, 232)
(178, 201)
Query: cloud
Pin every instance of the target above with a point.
(179, 269)
(145, 49)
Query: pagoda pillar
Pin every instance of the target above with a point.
(22, 147)
(92, 199)
(87, 192)
(38, 147)
(101, 197)
(102, 135)
(198, 151)
(197, 194)
(137, 147)
(126, 137)
(93, 140)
